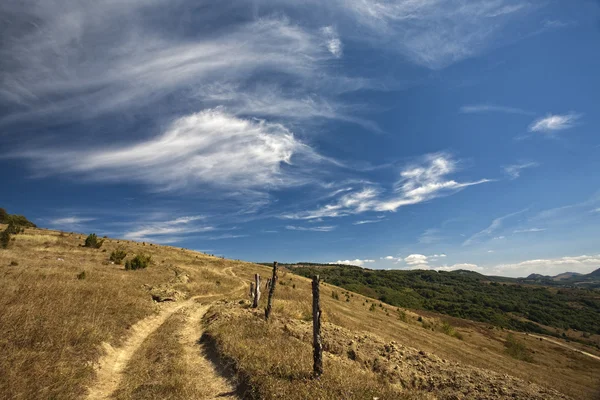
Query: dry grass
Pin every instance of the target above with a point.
(276, 365)
(158, 369)
(53, 324)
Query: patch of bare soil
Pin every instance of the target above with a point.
(417, 370)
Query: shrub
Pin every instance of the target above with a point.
(402, 315)
(14, 263)
(140, 261)
(372, 308)
(118, 255)
(4, 238)
(93, 241)
(450, 331)
(517, 349)
(81, 275)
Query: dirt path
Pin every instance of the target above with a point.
(210, 382)
(109, 371)
(585, 353)
(110, 367)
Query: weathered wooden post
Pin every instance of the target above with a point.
(272, 284)
(251, 290)
(256, 290)
(267, 283)
(317, 343)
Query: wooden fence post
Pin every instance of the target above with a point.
(256, 290)
(317, 343)
(251, 290)
(272, 284)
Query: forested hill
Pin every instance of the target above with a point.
(465, 294)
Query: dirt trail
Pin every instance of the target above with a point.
(110, 367)
(210, 382)
(585, 353)
(109, 371)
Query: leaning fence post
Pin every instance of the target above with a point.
(272, 284)
(317, 343)
(256, 290)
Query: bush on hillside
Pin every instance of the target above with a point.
(140, 261)
(93, 241)
(118, 255)
(517, 349)
(4, 239)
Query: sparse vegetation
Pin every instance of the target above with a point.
(93, 242)
(81, 276)
(449, 330)
(502, 302)
(140, 261)
(118, 255)
(517, 349)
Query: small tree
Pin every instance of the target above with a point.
(93, 241)
(140, 261)
(118, 255)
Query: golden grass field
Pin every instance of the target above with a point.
(57, 330)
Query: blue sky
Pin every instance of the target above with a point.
(388, 134)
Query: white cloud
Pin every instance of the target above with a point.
(514, 171)
(70, 221)
(163, 231)
(209, 147)
(494, 226)
(437, 256)
(552, 123)
(418, 183)
(356, 262)
(485, 108)
(417, 260)
(87, 58)
(332, 40)
(530, 230)
(368, 221)
(311, 228)
(470, 267)
(223, 236)
(582, 264)
(596, 210)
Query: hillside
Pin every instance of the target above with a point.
(76, 326)
(467, 294)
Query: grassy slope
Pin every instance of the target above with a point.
(53, 326)
(472, 295)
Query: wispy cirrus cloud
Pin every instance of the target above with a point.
(210, 147)
(529, 230)
(167, 231)
(555, 122)
(419, 182)
(514, 170)
(368, 221)
(492, 228)
(488, 108)
(434, 33)
(68, 221)
(327, 228)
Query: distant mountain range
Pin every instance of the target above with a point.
(591, 280)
